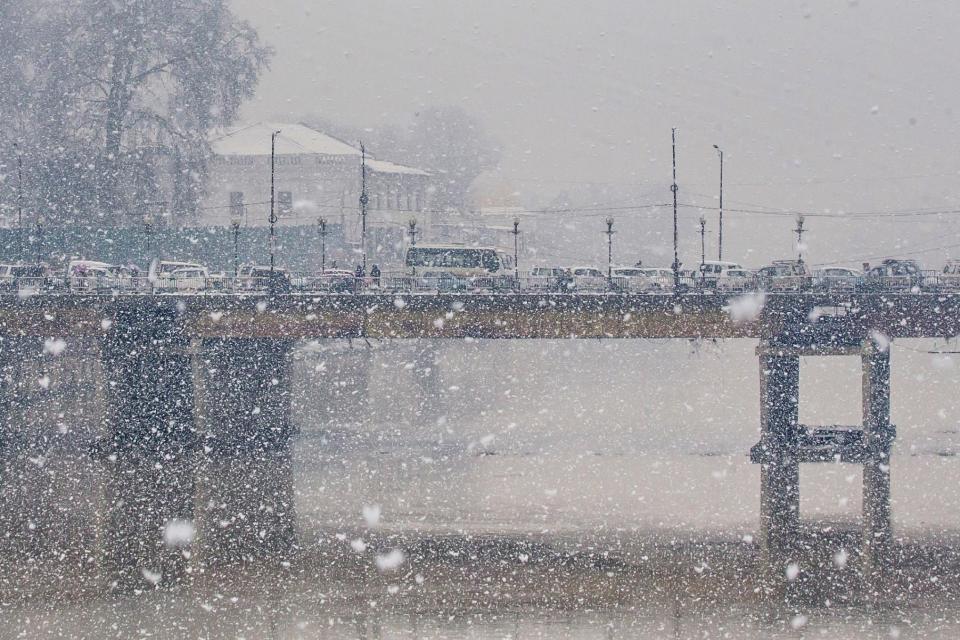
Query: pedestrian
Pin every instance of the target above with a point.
(359, 272)
(375, 274)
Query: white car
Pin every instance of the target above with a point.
(633, 279)
(785, 275)
(837, 278)
(736, 280)
(660, 276)
(184, 280)
(589, 279)
(709, 272)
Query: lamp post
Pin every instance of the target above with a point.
(609, 233)
(799, 231)
(674, 189)
(147, 228)
(322, 230)
(39, 237)
(364, 200)
(516, 251)
(703, 242)
(412, 231)
(236, 216)
(720, 230)
(273, 214)
(16, 146)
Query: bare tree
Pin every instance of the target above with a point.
(118, 89)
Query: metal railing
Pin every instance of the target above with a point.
(440, 282)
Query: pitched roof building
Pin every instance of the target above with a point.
(316, 175)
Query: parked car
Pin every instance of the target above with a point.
(260, 278)
(589, 278)
(14, 277)
(442, 281)
(633, 279)
(894, 273)
(550, 279)
(710, 271)
(732, 280)
(332, 281)
(89, 276)
(183, 280)
(660, 276)
(950, 278)
(832, 278)
(785, 275)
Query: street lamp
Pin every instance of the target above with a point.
(799, 231)
(412, 231)
(516, 250)
(703, 243)
(720, 230)
(322, 230)
(16, 146)
(236, 217)
(674, 189)
(273, 214)
(609, 233)
(39, 237)
(148, 227)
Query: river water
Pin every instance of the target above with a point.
(605, 450)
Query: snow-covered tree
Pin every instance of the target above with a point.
(116, 98)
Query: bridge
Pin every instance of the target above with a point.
(200, 386)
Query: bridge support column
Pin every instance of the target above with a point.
(780, 469)
(878, 435)
(245, 500)
(147, 450)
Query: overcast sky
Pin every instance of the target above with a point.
(824, 106)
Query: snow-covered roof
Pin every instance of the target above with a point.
(295, 139)
(382, 166)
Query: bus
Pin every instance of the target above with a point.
(458, 260)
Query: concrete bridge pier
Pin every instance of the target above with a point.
(245, 500)
(785, 444)
(780, 466)
(878, 436)
(148, 448)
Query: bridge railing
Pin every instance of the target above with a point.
(441, 282)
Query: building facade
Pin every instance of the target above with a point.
(315, 176)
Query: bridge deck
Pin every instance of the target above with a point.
(801, 318)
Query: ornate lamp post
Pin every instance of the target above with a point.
(412, 231)
(148, 229)
(322, 230)
(236, 217)
(516, 250)
(610, 233)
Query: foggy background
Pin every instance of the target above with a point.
(823, 107)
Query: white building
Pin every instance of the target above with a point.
(316, 175)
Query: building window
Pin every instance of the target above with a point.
(236, 205)
(284, 203)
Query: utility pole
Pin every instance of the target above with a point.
(322, 229)
(16, 146)
(364, 199)
(674, 188)
(703, 241)
(516, 250)
(799, 231)
(609, 233)
(273, 213)
(720, 243)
